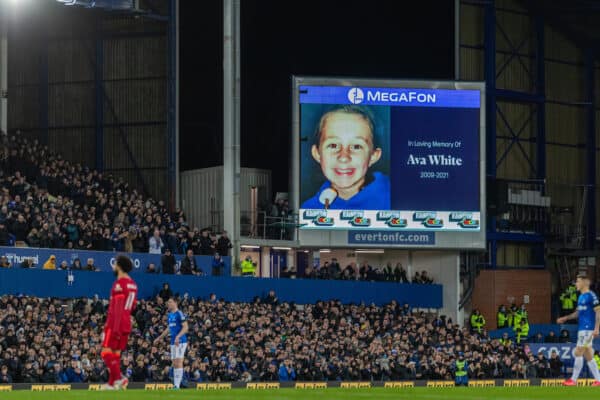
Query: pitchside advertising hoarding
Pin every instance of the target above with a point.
(395, 163)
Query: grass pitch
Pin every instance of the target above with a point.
(497, 393)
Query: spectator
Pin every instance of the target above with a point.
(168, 262)
(425, 279)
(400, 274)
(5, 377)
(564, 337)
(76, 265)
(4, 234)
(334, 270)
(207, 246)
(286, 273)
(218, 265)
(4, 263)
(27, 263)
(271, 298)
(365, 270)
(89, 266)
(33, 239)
(151, 269)
(223, 244)
(74, 373)
(51, 263)
(165, 293)
(155, 243)
(286, 371)
(189, 266)
(417, 278)
(64, 266)
(20, 228)
(555, 365)
(538, 338)
(58, 374)
(551, 337)
(349, 272)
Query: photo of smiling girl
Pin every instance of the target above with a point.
(347, 152)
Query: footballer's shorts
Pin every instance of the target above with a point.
(115, 341)
(178, 351)
(585, 338)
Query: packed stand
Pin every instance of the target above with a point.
(366, 272)
(58, 341)
(49, 202)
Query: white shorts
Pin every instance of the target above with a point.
(178, 351)
(585, 338)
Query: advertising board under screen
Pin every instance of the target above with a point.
(390, 158)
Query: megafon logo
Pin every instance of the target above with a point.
(356, 95)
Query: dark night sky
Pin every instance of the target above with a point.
(381, 38)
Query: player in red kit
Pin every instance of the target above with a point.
(118, 323)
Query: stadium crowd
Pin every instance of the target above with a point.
(46, 201)
(52, 340)
(366, 272)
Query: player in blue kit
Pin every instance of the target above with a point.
(588, 315)
(178, 328)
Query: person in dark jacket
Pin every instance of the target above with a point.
(206, 244)
(218, 265)
(168, 262)
(189, 266)
(223, 244)
(165, 293)
(20, 228)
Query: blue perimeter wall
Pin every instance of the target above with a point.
(37, 282)
(102, 259)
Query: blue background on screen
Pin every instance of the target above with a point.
(460, 192)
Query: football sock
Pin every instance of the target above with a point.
(177, 375)
(115, 368)
(594, 369)
(577, 367)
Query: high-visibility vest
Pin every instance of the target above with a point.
(501, 319)
(477, 322)
(505, 342)
(524, 332)
(461, 368)
(247, 267)
(566, 301)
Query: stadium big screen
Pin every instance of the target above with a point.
(391, 162)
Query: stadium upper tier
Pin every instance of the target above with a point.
(49, 202)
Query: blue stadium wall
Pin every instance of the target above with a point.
(42, 283)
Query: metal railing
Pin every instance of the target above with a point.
(555, 210)
(260, 225)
